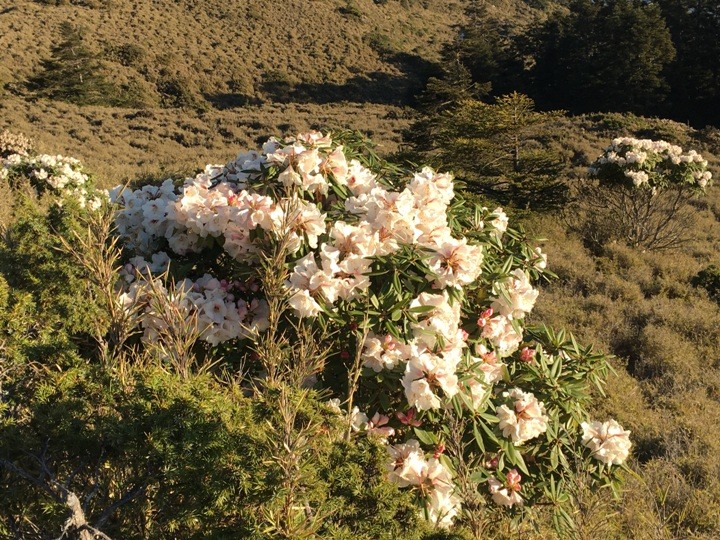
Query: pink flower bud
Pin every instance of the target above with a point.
(527, 354)
(513, 480)
(409, 418)
(484, 316)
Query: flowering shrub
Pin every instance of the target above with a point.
(638, 192)
(14, 143)
(423, 300)
(644, 163)
(62, 176)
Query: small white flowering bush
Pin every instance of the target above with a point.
(656, 165)
(422, 301)
(638, 193)
(15, 143)
(61, 176)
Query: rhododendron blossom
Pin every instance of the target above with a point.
(425, 300)
(516, 296)
(607, 441)
(648, 164)
(62, 175)
(506, 494)
(525, 420)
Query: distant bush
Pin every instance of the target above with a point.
(382, 43)
(709, 279)
(351, 9)
(177, 91)
(641, 193)
(15, 143)
(127, 54)
(279, 85)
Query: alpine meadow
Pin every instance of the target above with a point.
(359, 269)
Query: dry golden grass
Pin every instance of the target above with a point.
(215, 42)
(346, 63)
(117, 144)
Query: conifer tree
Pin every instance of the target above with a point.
(602, 56)
(74, 73)
(498, 150)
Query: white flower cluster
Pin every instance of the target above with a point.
(219, 313)
(386, 220)
(409, 466)
(143, 219)
(652, 163)
(526, 420)
(607, 441)
(63, 175)
(14, 143)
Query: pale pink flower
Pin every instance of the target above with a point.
(526, 420)
(502, 334)
(608, 441)
(407, 463)
(518, 298)
(455, 263)
(408, 418)
(377, 426)
(423, 374)
(506, 494)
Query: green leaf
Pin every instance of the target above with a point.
(425, 437)
(515, 457)
(478, 437)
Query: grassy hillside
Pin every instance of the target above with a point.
(118, 144)
(254, 70)
(219, 45)
(644, 308)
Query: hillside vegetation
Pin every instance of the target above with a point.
(144, 90)
(252, 68)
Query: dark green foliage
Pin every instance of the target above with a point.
(695, 74)
(53, 288)
(658, 58)
(442, 95)
(499, 149)
(75, 74)
(709, 279)
(487, 47)
(382, 43)
(602, 56)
